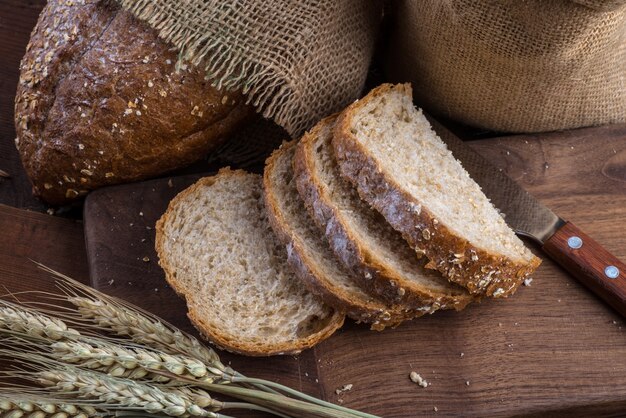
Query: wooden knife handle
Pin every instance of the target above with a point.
(590, 263)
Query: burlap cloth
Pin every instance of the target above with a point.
(506, 65)
(513, 65)
(296, 61)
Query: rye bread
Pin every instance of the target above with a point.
(101, 101)
(362, 240)
(311, 256)
(388, 151)
(219, 253)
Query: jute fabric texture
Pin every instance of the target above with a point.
(296, 61)
(513, 65)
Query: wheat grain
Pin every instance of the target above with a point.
(24, 321)
(134, 363)
(145, 329)
(11, 407)
(127, 394)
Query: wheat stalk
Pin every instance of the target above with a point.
(13, 407)
(106, 313)
(20, 320)
(134, 363)
(143, 328)
(124, 393)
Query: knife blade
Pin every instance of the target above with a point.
(575, 251)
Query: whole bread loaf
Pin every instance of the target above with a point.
(100, 101)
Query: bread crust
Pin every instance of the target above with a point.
(206, 328)
(99, 102)
(377, 278)
(375, 312)
(480, 271)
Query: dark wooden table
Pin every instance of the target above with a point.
(575, 367)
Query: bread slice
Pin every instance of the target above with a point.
(388, 150)
(362, 240)
(311, 256)
(218, 251)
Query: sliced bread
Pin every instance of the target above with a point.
(387, 149)
(362, 240)
(311, 256)
(218, 251)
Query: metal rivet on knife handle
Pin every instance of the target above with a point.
(574, 242)
(592, 264)
(611, 272)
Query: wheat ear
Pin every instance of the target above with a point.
(18, 319)
(134, 363)
(124, 394)
(11, 406)
(130, 321)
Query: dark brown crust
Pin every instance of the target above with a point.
(99, 102)
(375, 277)
(480, 271)
(377, 313)
(206, 328)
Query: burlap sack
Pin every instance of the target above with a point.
(513, 65)
(296, 61)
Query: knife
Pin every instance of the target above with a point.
(575, 251)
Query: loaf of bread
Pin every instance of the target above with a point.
(100, 101)
(218, 251)
(386, 148)
(362, 240)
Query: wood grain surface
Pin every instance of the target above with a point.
(552, 347)
(27, 236)
(17, 19)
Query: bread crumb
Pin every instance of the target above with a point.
(50, 211)
(435, 409)
(81, 146)
(150, 84)
(343, 389)
(416, 378)
(140, 213)
(169, 183)
(146, 259)
(467, 383)
(528, 281)
(462, 354)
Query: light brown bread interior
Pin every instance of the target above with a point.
(219, 252)
(362, 240)
(310, 254)
(387, 149)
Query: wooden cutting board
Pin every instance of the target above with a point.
(551, 348)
